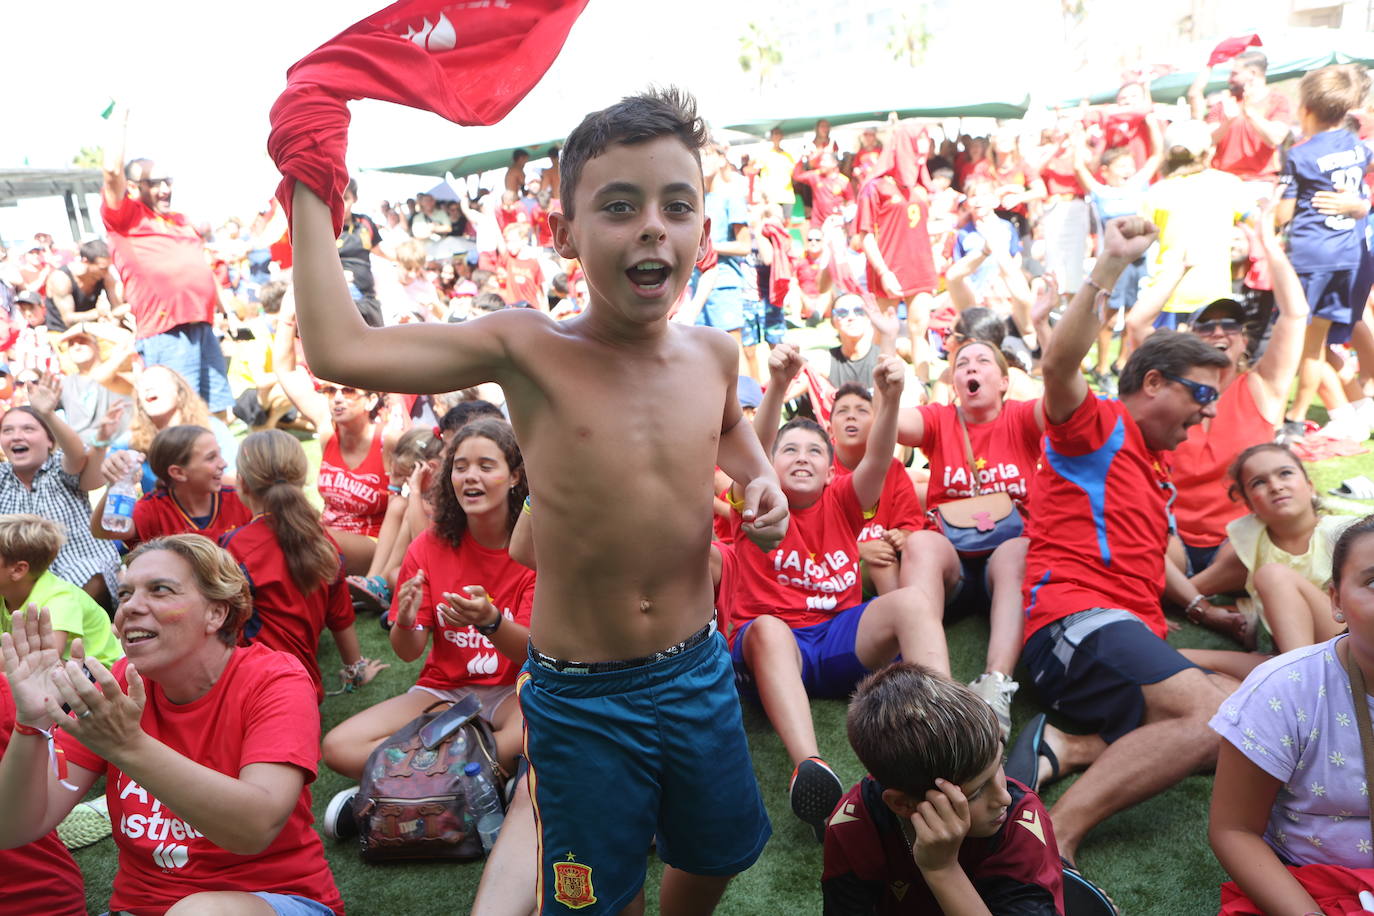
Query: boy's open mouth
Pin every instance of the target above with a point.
(648, 274)
(974, 385)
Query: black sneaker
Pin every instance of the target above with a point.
(339, 820)
(814, 792)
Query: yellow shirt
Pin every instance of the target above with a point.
(1197, 213)
(72, 611)
(775, 176)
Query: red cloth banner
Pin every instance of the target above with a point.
(470, 61)
(1230, 47)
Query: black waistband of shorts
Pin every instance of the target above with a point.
(566, 667)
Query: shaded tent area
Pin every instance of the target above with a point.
(72, 185)
(473, 163)
(802, 122)
(1291, 54)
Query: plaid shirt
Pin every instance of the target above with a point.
(57, 495)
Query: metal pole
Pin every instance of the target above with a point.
(71, 215)
(85, 214)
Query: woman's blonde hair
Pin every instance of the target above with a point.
(190, 410)
(217, 574)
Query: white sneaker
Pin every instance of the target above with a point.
(996, 689)
(338, 822)
(1347, 427)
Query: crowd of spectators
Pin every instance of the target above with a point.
(913, 310)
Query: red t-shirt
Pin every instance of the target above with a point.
(1123, 127)
(813, 574)
(259, 711)
(1005, 450)
(284, 618)
(869, 868)
(899, 222)
(512, 214)
(354, 498)
(898, 507)
(828, 193)
(1058, 173)
(39, 877)
(543, 232)
(1100, 523)
(158, 513)
(460, 656)
(524, 280)
(1242, 150)
(161, 260)
(1200, 464)
(808, 273)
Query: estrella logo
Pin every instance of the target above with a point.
(483, 663)
(170, 855)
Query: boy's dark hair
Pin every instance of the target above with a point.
(1171, 353)
(464, 412)
(488, 302)
(270, 295)
(95, 248)
(808, 424)
(31, 539)
(855, 389)
(944, 172)
(480, 277)
(910, 726)
(981, 323)
(666, 112)
(1332, 92)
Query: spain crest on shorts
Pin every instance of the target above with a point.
(573, 883)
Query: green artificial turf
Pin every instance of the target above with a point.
(1153, 859)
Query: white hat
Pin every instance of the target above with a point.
(1194, 136)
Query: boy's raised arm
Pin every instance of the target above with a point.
(413, 359)
(889, 377)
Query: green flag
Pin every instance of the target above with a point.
(109, 110)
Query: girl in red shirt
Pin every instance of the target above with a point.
(458, 582)
(293, 565)
(1005, 439)
(191, 496)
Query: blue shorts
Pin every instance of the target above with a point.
(774, 325)
(288, 905)
(830, 669)
(973, 593)
(192, 350)
(724, 309)
(1091, 666)
(619, 757)
(1127, 288)
(1336, 296)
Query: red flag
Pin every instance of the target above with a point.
(1230, 47)
(469, 61)
(780, 274)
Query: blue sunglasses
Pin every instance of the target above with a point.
(1203, 394)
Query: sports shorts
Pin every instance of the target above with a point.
(830, 669)
(618, 758)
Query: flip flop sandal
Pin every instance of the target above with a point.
(370, 593)
(88, 823)
(1082, 897)
(1356, 488)
(1023, 760)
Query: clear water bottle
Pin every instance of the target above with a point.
(119, 502)
(484, 805)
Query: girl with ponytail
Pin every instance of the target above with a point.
(293, 565)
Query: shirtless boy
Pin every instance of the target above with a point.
(632, 718)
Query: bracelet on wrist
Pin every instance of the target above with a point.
(394, 488)
(528, 507)
(486, 629)
(32, 730)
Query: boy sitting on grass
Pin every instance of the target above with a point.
(799, 625)
(28, 546)
(631, 714)
(936, 826)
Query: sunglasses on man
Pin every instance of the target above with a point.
(330, 390)
(1202, 394)
(848, 311)
(1225, 325)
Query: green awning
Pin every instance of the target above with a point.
(473, 163)
(806, 121)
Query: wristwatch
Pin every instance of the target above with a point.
(486, 629)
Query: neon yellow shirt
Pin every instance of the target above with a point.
(75, 612)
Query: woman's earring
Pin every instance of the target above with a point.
(1340, 618)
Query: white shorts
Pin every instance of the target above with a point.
(491, 695)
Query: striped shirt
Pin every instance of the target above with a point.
(57, 495)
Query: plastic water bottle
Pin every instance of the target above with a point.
(119, 502)
(483, 804)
